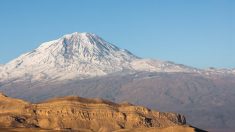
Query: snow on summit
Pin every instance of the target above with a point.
(83, 47)
(80, 55)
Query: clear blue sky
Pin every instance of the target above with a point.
(199, 33)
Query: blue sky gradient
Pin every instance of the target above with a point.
(199, 33)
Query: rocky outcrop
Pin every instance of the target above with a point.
(79, 113)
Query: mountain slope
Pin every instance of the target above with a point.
(75, 113)
(1, 67)
(73, 55)
(80, 55)
(206, 101)
(86, 65)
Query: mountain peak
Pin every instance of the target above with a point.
(83, 35)
(72, 55)
(79, 33)
(86, 45)
(81, 55)
(83, 46)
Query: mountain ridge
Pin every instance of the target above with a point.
(206, 96)
(81, 55)
(76, 113)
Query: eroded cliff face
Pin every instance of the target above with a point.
(79, 113)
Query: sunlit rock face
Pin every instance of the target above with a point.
(84, 64)
(81, 113)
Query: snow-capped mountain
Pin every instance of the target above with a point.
(86, 65)
(81, 55)
(73, 55)
(1, 66)
(220, 71)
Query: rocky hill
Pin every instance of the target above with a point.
(84, 64)
(75, 113)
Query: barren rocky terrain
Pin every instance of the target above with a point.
(207, 102)
(85, 65)
(81, 114)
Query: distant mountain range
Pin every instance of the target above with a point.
(84, 64)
